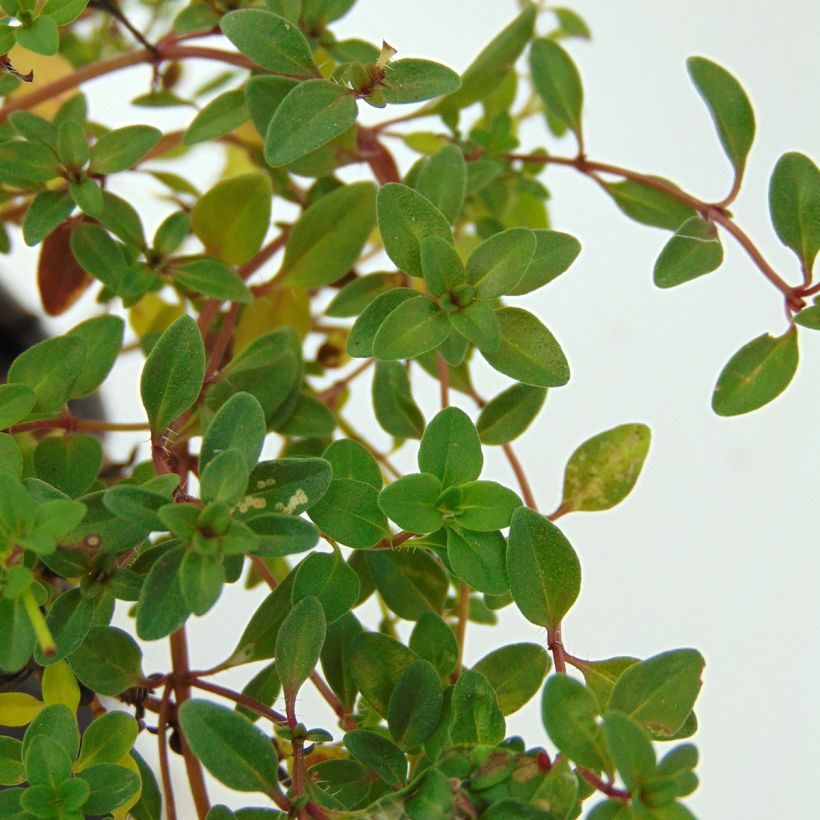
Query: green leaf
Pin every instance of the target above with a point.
(544, 571)
(331, 580)
(601, 676)
(311, 115)
(11, 459)
(516, 672)
(794, 205)
(568, 711)
(484, 506)
(110, 785)
(499, 263)
(213, 278)
(443, 180)
(162, 607)
(322, 12)
(758, 373)
(340, 784)
(263, 95)
(47, 210)
(201, 578)
(557, 82)
(173, 373)
(476, 717)
(355, 296)
(415, 704)
(230, 747)
(349, 459)
(220, 116)
(729, 107)
(433, 640)
(648, 205)
(377, 662)
(27, 161)
(379, 754)
(282, 534)
(393, 403)
(413, 80)
(493, 63)
(269, 40)
(808, 317)
(72, 145)
(269, 368)
(88, 196)
(441, 265)
(604, 469)
(334, 658)
(510, 413)
(554, 253)
(11, 764)
(16, 402)
(414, 327)
(119, 217)
(631, 749)
(64, 11)
(69, 619)
(411, 502)
(103, 337)
(328, 237)
(137, 504)
(238, 424)
(479, 559)
(232, 218)
(528, 353)
(41, 36)
(122, 148)
(47, 763)
(299, 644)
(693, 251)
(50, 368)
(349, 512)
(108, 739)
(287, 485)
(70, 463)
(171, 232)
(450, 448)
(361, 336)
(410, 583)
(405, 218)
(660, 692)
(264, 687)
(108, 660)
(98, 254)
(478, 324)
(258, 641)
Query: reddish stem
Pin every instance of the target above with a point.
(182, 691)
(243, 700)
(607, 788)
(164, 767)
(711, 211)
(556, 646)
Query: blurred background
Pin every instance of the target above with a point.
(716, 547)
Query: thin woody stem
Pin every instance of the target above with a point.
(167, 51)
(164, 767)
(87, 425)
(182, 691)
(711, 211)
(243, 700)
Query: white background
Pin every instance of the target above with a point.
(717, 546)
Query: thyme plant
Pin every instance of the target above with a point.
(254, 336)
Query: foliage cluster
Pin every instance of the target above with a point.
(236, 349)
